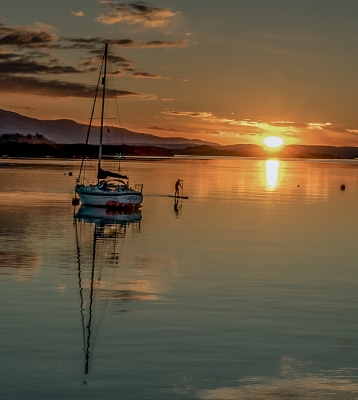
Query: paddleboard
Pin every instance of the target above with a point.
(180, 197)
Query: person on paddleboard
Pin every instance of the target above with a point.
(177, 186)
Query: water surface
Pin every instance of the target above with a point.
(247, 290)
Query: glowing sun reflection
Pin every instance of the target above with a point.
(272, 171)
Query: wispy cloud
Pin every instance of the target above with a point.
(24, 57)
(165, 43)
(147, 75)
(23, 108)
(247, 122)
(210, 118)
(37, 36)
(134, 13)
(249, 127)
(115, 60)
(193, 114)
(57, 88)
(93, 43)
(284, 123)
(182, 130)
(315, 125)
(14, 64)
(77, 13)
(176, 130)
(233, 133)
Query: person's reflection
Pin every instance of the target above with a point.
(177, 207)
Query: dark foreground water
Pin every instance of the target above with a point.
(248, 290)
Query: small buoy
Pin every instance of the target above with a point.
(75, 201)
(343, 187)
(70, 173)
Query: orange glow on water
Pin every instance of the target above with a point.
(272, 172)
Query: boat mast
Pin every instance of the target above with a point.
(103, 98)
(90, 123)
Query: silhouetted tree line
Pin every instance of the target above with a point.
(20, 138)
(17, 145)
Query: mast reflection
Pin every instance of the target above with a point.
(100, 234)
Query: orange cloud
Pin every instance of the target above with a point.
(77, 13)
(148, 75)
(134, 13)
(188, 114)
(312, 125)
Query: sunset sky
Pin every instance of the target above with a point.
(223, 71)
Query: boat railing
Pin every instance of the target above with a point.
(83, 181)
(138, 187)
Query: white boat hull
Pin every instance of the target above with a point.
(93, 196)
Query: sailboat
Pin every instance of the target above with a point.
(110, 189)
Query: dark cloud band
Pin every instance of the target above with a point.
(53, 88)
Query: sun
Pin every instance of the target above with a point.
(273, 142)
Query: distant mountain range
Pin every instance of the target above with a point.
(66, 131)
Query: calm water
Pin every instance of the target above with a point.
(248, 290)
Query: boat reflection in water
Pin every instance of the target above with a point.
(108, 216)
(100, 236)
